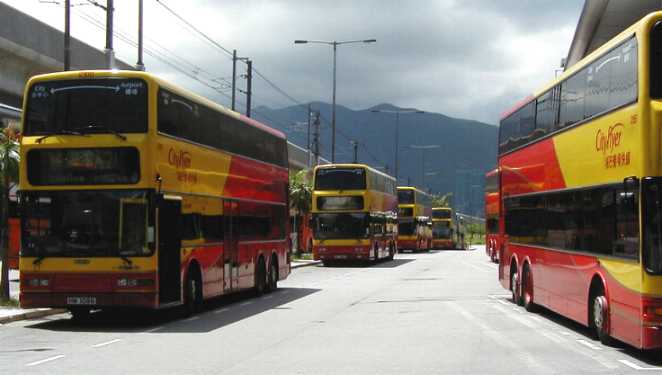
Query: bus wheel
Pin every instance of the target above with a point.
(600, 318)
(80, 314)
(514, 290)
(193, 293)
(260, 278)
(273, 276)
(527, 290)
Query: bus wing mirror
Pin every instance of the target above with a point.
(630, 184)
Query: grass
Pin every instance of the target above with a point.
(11, 303)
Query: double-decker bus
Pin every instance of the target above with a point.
(581, 186)
(136, 193)
(414, 219)
(493, 242)
(353, 213)
(443, 236)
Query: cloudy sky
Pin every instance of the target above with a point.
(464, 58)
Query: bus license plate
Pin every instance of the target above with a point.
(81, 300)
(341, 256)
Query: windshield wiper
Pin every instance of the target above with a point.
(63, 131)
(102, 128)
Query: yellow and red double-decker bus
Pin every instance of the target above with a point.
(442, 228)
(414, 219)
(136, 193)
(581, 185)
(493, 220)
(354, 213)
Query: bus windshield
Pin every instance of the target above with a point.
(441, 214)
(341, 225)
(340, 179)
(441, 229)
(84, 223)
(109, 105)
(405, 197)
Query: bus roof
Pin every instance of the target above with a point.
(585, 61)
(90, 74)
(411, 188)
(442, 209)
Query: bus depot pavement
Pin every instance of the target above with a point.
(8, 314)
(442, 312)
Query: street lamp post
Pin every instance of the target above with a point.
(335, 45)
(397, 131)
(423, 148)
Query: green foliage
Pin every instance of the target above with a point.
(439, 200)
(301, 192)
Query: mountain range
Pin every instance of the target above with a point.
(438, 153)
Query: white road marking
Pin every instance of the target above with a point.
(501, 339)
(284, 291)
(152, 330)
(45, 360)
(589, 345)
(218, 311)
(245, 303)
(106, 343)
(564, 333)
(191, 319)
(637, 367)
(503, 302)
(474, 266)
(270, 296)
(519, 319)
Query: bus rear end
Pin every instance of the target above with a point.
(86, 203)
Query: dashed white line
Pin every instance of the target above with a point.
(152, 330)
(637, 367)
(191, 319)
(503, 302)
(284, 291)
(245, 303)
(219, 311)
(45, 360)
(270, 296)
(106, 343)
(589, 345)
(564, 333)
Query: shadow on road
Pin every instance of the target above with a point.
(364, 264)
(216, 313)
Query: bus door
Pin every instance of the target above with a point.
(231, 248)
(169, 249)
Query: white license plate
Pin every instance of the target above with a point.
(341, 256)
(81, 300)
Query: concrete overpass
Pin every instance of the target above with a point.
(601, 20)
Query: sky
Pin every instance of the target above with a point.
(470, 59)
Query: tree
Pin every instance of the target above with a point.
(301, 196)
(439, 200)
(9, 158)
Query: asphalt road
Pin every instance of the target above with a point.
(431, 313)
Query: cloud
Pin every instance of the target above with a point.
(467, 59)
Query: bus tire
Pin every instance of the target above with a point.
(514, 286)
(260, 275)
(527, 289)
(599, 314)
(192, 292)
(272, 284)
(80, 314)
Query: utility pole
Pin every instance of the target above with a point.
(234, 76)
(139, 65)
(249, 91)
(110, 54)
(316, 138)
(67, 35)
(308, 138)
(355, 145)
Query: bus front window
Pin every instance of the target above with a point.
(340, 179)
(341, 225)
(441, 229)
(406, 228)
(79, 107)
(405, 197)
(85, 224)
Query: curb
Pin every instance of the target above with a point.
(306, 264)
(31, 315)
